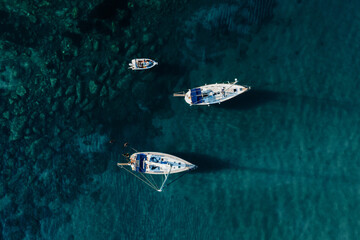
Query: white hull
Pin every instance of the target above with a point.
(214, 93)
(142, 64)
(160, 163)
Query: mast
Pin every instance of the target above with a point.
(234, 83)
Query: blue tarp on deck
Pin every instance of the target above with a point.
(142, 166)
(196, 96)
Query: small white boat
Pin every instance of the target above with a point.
(142, 64)
(213, 93)
(156, 163)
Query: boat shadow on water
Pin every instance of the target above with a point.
(301, 174)
(251, 99)
(170, 69)
(205, 163)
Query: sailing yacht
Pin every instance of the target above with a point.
(213, 93)
(156, 163)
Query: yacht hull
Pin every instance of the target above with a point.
(214, 93)
(161, 163)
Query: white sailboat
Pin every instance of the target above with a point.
(213, 93)
(142, 64)
(155, 163)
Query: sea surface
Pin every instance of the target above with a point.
(278, 162)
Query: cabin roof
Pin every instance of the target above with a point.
(141, 165)
(196, 96)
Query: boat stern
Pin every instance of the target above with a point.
(188, 98)
(132, 65)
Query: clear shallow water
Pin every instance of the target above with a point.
(279, 162)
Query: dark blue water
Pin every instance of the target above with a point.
(278, 162)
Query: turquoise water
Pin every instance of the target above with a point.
(278, 162)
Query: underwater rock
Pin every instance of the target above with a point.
(69, 103)
(103, 76)
(55, 106)
(18, 108)
(91, 143)
(58, 93)
(16, 127)
(55, 206)
(2, 194)
(35, 147)
(89, 106)
(92, 87)
(84, 127)
(14, 95)
(148, 37)
(34, 115)
(114, 66)
(36, 130)
(122, 69)
(123, 82)
(103, 91)
(42, 116)
(97, 68)
(11, 230)
(66, 134)
(113, 93)
(56, 131)
(21, 91)
(78, 92)
(70, 90)
(67, 47)
(27, 131)
(87, 44)
(138, 88)
(95, 45)
(114, 48)
(103, 103)
(131, 51)
(70, 74)
(77, 114)
(55, 143)
(84, 103)
(53, 82)
(3, 122)
(6, 115)
(46, 155)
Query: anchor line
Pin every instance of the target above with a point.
(178, 178)
(140, 179)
